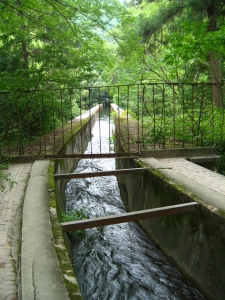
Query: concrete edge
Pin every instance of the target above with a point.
(41, 278)
(211, 198)
(179, 152)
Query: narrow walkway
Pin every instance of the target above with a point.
(201, 182)
(41, 276)
(34, 273)
(203, 176)
(11, 201)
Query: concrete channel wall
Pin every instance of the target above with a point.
(195, 241)
(75, 145)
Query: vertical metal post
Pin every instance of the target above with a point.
(38, 113)
(128, 129)
(28, 123)
(118, 119)
(7, 125)
(142, 115)
(164, 116)
(213, 124)
(89, 107)
(53, 121)
(154, 123)
(80, 98)
(20, 145)
(199, 118)
(99, 122)
(138, 118)
(43, 119)
(222, 119)
(62, 116)
(174, 118)
(183, 110)
(71, 111)
(193, 115)
(109, 125)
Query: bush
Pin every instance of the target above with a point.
(74, 215)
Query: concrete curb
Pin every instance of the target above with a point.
(206, 194)
(41, 278)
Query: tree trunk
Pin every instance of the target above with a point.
(214, 61)
(24, 55)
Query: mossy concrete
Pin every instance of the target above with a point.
(63, 255)
(75, 144)
(194, 241)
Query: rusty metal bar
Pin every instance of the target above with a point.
(138, 117)
(62, 116)
(43, 123)
(154, 116)
(174, 117)
(129, 217)
(183, 117)
(100, 155)
(164, 116)
(128, 129)
(99, 122)
(81, 125)
(100, 173)
(53, 120)
(192, 114)
(71, 111)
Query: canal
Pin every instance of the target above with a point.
(116, 262)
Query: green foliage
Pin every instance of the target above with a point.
(201, 127)
(74, 215)
(25, 116)
(53, 43)
(49, 45)
(169, 41)
(5, 177)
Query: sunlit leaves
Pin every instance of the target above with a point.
(58, 36)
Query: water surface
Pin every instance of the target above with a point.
(117, 261)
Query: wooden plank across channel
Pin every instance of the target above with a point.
(128, 217)
(99, 155)
(100, 173)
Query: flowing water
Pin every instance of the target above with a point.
(116, 262)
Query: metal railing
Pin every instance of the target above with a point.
(155, 115)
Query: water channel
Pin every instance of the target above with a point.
(117, 262)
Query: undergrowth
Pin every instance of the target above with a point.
(75, 215)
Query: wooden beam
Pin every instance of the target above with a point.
(128, 217)
(100, 155)
(100, 173)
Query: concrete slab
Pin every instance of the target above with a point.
(179, 152)
(41, 277)
(205, 184)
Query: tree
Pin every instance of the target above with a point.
(51, 39)
(48, 44)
